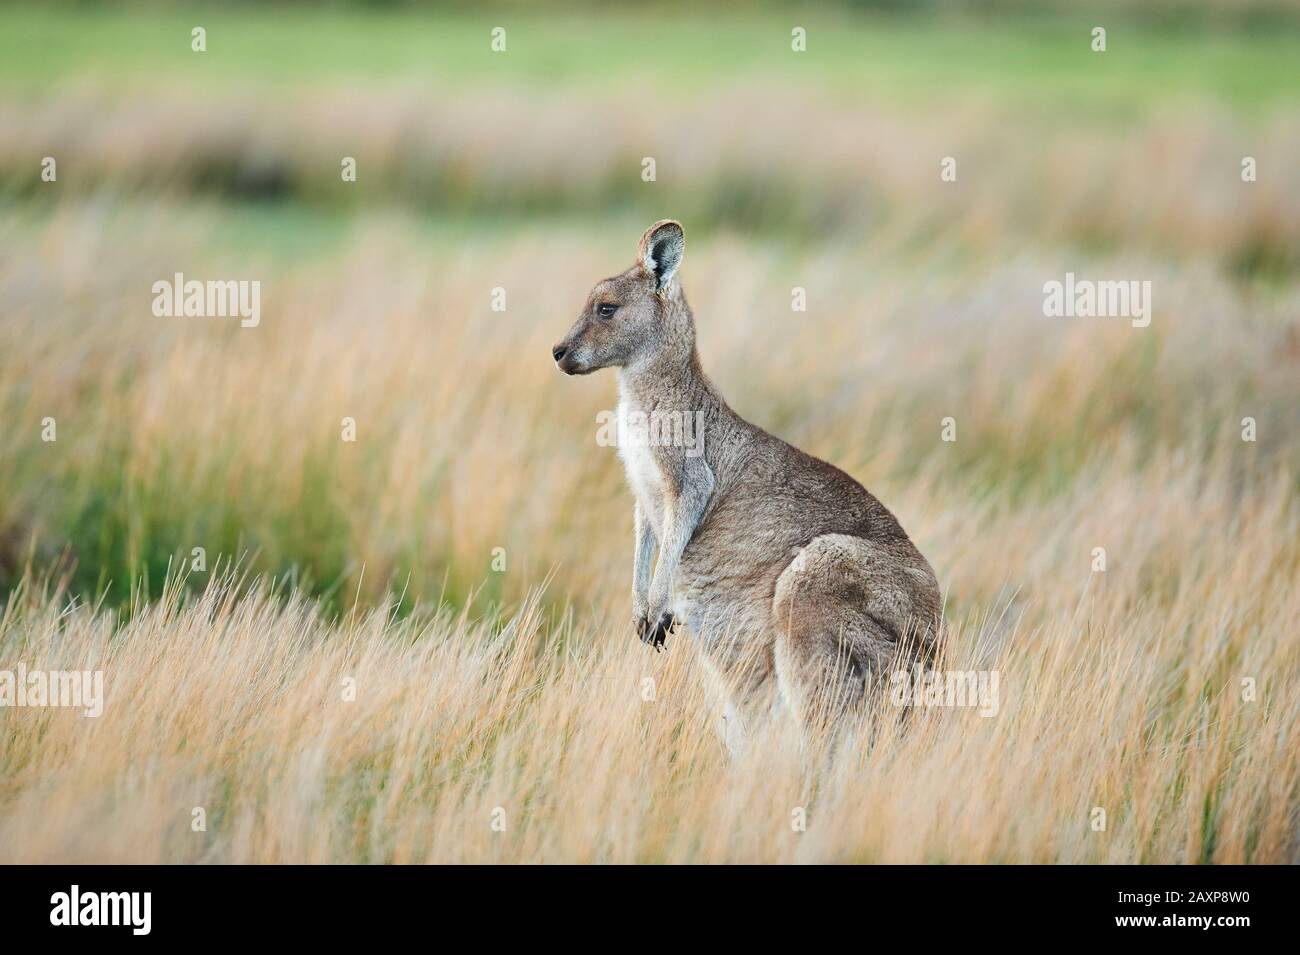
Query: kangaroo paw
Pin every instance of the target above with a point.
(656, 635)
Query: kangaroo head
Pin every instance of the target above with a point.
(635, 316)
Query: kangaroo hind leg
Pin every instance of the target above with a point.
(841, 610)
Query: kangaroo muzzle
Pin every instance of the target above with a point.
(566, 359)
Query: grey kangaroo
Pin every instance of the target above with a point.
(799, 587)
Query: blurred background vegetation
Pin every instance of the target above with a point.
(523, 170)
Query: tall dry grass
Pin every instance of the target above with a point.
(177, 433)
(1121, 690)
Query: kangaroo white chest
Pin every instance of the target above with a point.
(643, 472)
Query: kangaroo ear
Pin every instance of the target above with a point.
(661, 251)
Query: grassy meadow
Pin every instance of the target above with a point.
(398, 641)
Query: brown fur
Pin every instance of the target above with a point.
(780, 564)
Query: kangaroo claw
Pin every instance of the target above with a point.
(656, 635)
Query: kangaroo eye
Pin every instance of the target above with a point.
(606, 309)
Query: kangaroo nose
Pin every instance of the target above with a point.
(559, 351)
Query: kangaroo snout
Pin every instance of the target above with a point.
(563, 355)
(572, 358)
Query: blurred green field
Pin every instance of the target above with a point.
(1043, 62)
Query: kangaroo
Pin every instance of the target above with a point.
(798, 586)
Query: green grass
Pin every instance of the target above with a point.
(1037, 62)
